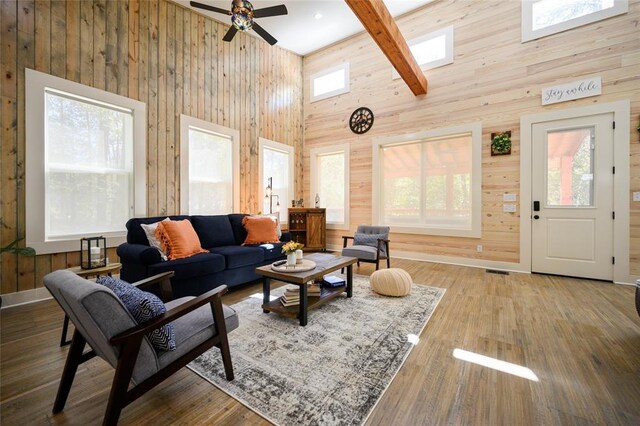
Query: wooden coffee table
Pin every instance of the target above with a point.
(325, 263)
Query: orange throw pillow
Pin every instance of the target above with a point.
(178, 239)
(260, 230)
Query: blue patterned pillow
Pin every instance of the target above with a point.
(144, 307)
(360, 239)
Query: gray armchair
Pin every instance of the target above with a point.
(370, 244)
(102, 321)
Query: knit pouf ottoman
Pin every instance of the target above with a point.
(391, 282)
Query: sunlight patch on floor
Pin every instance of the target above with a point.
(259, 296)
(413, 339)
(496, 364)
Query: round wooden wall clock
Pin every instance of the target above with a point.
(361, 120)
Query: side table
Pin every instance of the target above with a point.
(86, 273)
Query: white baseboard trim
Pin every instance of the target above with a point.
(474, 263)
(24, 297)
(451, 260)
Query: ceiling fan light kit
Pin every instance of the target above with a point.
(243, 15)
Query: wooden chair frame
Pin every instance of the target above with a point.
(129, 342)
(378, 254)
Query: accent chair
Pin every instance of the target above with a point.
(103, 321)
(370, 245)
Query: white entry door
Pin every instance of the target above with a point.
(572, 193)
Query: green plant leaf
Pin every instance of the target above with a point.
(21, 251)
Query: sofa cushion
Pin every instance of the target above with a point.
(260, 230)
(239, 256)
(144, 307)
(272, 251)
(135, 233)
(239, 233)
(371, 240)
(191, 267)
(276, 219)
(179, 239)
(194, 328)
(150, 231)
(361, 252)
(213, 231)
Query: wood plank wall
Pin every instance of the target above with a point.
(160, 53)
(495, 79)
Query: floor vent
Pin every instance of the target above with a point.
(494, 271)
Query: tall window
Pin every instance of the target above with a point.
(85, 175)
(330, 82)
(545, 17)
(330, 181)
(276, 162)
(209, 168)
(432, 50)
(430, 182)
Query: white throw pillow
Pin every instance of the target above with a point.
(150, 232)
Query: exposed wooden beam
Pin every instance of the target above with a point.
(379, 23)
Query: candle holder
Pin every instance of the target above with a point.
(93, 252)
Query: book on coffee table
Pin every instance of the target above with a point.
(312, 290)
(333, 281)
(289, 301)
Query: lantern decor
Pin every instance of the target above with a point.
(93, 252)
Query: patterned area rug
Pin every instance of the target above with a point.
(334, 370)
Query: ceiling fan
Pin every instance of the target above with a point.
(242, 17)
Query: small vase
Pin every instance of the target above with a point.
(298, 256)
(291, 259)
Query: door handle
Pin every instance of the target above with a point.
(536, 217)
(536, 206)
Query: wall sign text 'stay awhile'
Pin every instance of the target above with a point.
(570, 91)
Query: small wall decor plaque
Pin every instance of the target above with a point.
(501, 143)
(570, 91)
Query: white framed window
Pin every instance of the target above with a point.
(276, 162)
(209, 167)
(541, 18)
(330, 180)
(429, 182)
(85, 163)
(431, 50)
(330, 82)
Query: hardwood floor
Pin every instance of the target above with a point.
(581, 338)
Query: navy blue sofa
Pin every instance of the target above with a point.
(228, 262)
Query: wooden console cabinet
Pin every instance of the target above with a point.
(309, 227)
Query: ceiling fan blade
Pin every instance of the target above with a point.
(264, 34)
(270, 11)
(230, 34)
(207, 7)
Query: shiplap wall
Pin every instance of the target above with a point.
(160, 53)
(495, 79)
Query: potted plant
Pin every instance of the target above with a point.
(20, 251)
(501, 143)
(290, 250)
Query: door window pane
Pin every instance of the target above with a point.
(88, 167)
(210, 173)
(570, 176)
